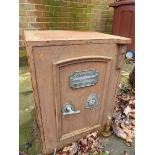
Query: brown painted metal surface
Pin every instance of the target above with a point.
(55, 57)
(124, 20)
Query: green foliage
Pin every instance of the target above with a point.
(104, 153)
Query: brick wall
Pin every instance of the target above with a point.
(86, 15)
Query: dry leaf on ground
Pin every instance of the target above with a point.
(123, 123)
(90, 144)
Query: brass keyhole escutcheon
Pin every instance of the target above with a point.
(92, 101)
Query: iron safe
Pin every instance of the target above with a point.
(75, 76)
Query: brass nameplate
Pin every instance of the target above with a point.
(83, 79)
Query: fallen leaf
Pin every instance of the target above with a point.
(127, 110)
(123, 123)
(119, 132)
(73, 148)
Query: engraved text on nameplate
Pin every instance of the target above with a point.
(83, 79)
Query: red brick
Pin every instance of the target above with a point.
(23, 1)
(38, 25)
(42, 19)
(21, 43)
(20, 32)
(40, 7)
(21, 7)
(22, 13)
(21, 37)
(34, 13)
(35, 1)
(26, 6)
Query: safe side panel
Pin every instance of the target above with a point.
(44, 58)
(43, 71)
(114, 82)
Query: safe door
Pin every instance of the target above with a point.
(80, 89)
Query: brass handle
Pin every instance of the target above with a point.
(69, 109)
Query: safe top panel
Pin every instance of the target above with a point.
(60, 36)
